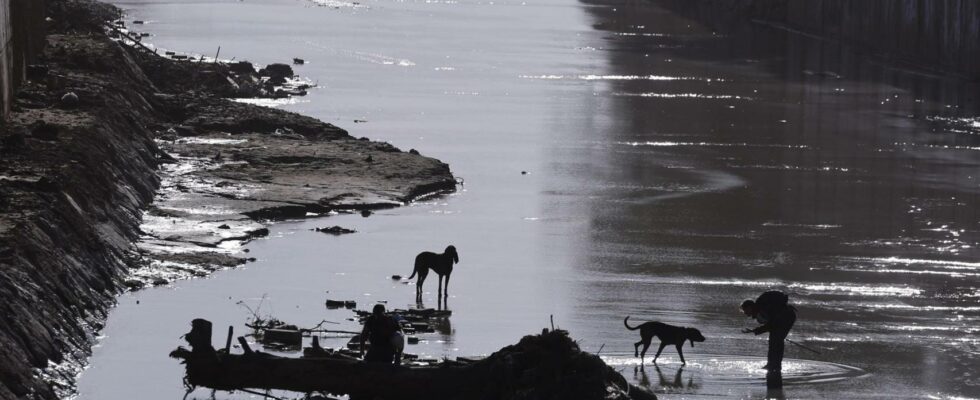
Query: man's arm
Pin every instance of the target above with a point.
(759, 329)
(364, 334)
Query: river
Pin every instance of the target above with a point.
(618, 160)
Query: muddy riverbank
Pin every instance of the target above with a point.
(92, 137)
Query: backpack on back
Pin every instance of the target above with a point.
(772, 300)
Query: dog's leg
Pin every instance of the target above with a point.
(636, 348)
(418, 286)
(447, 286)
(661, 349)
(680, 351)
(643, 353)
(439, 293)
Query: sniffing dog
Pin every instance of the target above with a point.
(442, 264)
(668, 334)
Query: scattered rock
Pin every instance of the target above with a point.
(334, 230)
(242, 67)
(396, 277)
(224, 226)
(413, 151)
(277, 73)
(69, 100)
(259, 232)
(366, 213)
(134, 284)
(341, 304)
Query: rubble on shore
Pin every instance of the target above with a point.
(545, 366)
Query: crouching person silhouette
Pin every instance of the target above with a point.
(776, 316)
(383, 332)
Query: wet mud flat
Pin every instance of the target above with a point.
(237, 167)
(93, 137)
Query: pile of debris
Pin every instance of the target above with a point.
(414, 320)
(225, 79)
(545, 366)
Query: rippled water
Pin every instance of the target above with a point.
(673, 170)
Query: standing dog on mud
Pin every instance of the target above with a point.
(668, 334)
(442, 264)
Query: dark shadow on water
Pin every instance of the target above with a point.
(640, 374)
(677, 382)
(443, 326)
(670, 383)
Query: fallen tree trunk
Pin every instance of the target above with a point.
(545, 366)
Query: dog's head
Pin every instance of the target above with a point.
(451, 250)
(693, 335)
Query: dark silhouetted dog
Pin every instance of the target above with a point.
(442, 264)
(668, 334)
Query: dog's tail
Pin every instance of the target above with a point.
(632, 328)
(415, 269)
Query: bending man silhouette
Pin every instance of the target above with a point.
(776, 316)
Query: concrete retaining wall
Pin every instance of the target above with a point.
(21, 39)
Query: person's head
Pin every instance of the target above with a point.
(379, 309)
(749, 308)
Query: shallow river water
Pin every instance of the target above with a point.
(672, 171)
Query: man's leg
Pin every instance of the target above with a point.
(777, 339)
(777, 346)
(388, 357)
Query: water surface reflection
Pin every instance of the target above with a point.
(780, 161)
